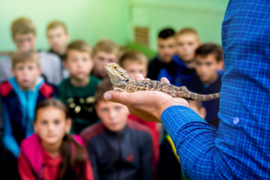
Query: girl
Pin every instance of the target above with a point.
(51, 153)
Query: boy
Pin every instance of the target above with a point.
(104, 52)
(187, 41)
(58, 38)
(208, 58)
(20, 95)
(78, 91)
(117, 148)
(136, 63)
(163, 64)
(24, 36)
(169, 167)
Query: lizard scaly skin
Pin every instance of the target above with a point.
(121, 81)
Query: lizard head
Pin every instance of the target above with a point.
(118, 75)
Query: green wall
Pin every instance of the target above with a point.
(86, 19)
(205, 16)
(92, 20)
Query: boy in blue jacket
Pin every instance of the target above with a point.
(20, 95)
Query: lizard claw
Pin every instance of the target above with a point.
(118, 89)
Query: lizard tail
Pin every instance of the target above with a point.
(197, 97)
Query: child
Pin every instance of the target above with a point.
(20, 94)
(78, 91)
(208, 59)
(24, 36)
(104, 52)
(58, 38)
(136, 63)
(51, 153)
(187, 41)
(169, 167)
(163, 62)
(117, 148)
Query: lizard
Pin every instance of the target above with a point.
(122, 82)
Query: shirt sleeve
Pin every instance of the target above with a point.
(8, 138)
(194, 141)
(24, 168)
(58, 70)
(88, 171)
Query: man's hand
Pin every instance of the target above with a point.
(148, 105)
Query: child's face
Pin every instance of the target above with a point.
(58, 39)
(134, 68)
(112, 115)
(166, 49)
(186, 46)
(26, 74)
(25, 41)
(101, 59)
(79, 64)
(51, 125)
(206, 68)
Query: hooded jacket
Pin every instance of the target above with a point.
(19, 108)
(36, 163)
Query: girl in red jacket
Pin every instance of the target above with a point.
(51, 153)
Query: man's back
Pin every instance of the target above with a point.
(244, 112)
(124, 156)
(240, 148)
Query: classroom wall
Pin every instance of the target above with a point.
(92, 20)
(86, 19)
(204, 16)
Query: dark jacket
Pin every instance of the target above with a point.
(19, 107)
(156, 65)
(175, 71)
(124, 156)
(212, 107)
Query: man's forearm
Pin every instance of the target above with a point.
(193, 139)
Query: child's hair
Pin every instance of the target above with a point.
(73, 154)
(55, 24)
(166, 33)
(104, 86)
(133, 56)
(79, 45)
(22, 26)
(210, 48)
(107, 46)
(25, 56)
(187, 31)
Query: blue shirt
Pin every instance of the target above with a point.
(240, 148)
